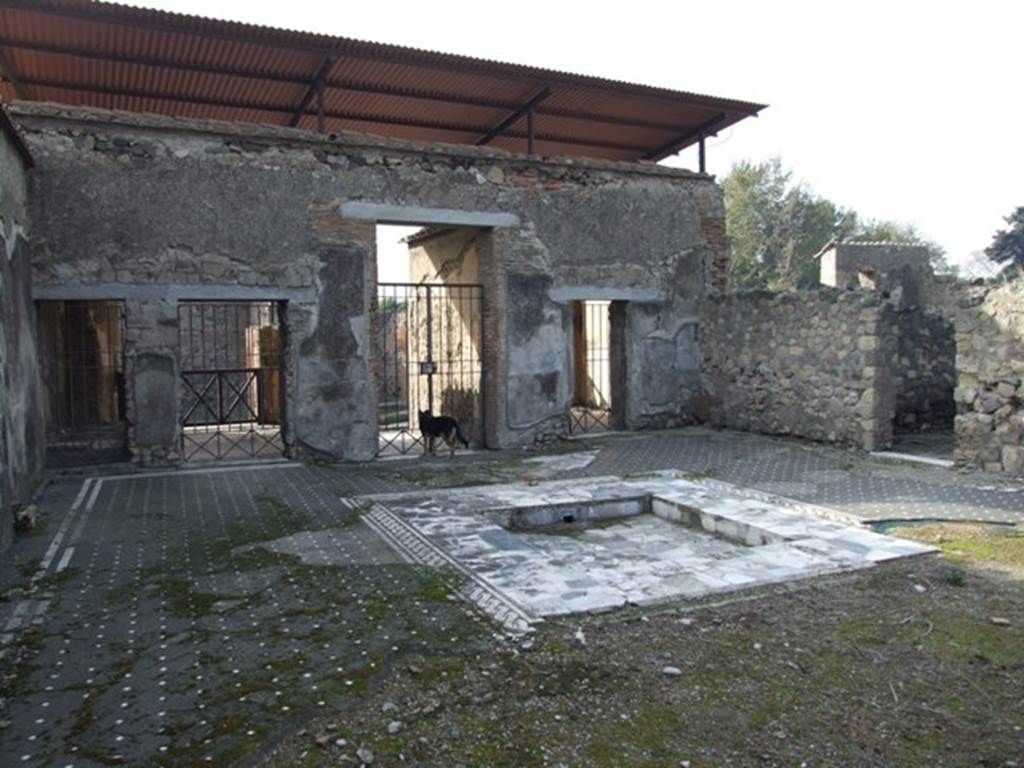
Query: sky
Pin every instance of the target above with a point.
(902, 110)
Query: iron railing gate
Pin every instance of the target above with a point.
(591, 408)
(81, 349)
(231, 382)
(428, 357)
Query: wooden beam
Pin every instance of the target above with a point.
(516, 115)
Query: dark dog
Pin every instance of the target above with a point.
(445, 427)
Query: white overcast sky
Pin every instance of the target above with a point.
(901, 110)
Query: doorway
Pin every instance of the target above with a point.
(428, 334)
(82, 354)
(232, 388)
(598, 365)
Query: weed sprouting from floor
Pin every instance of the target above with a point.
(54, 580)
(185, 602)
(703, 474)
(956, 576)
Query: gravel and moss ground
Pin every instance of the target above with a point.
(915, 664)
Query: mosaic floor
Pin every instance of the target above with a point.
(184, 618)
(568, 546)
(159, 634)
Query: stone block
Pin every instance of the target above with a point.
(1006, 390)
(868, 343)
(989, 403)
(1013, 459)
(965, 394)
(154, 406)
(1003, 413)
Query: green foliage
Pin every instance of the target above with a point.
(956, 576)
(1008, 244)
(776, 228)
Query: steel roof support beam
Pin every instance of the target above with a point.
(290, 110)
(529, 132)
(680, 142)
(329, 83)
(316, 88)
(526, 109)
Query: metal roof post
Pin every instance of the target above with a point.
(529, 131)
(320, 106)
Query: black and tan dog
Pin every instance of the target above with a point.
(444, 427)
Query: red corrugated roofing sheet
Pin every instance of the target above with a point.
(113, 56)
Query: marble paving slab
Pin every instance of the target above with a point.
(692, 538)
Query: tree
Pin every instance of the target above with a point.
(1008, 244)
(777, 227)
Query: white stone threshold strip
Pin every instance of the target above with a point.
(913, 458)
(556, 548)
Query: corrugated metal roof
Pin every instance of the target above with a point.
(80, 52)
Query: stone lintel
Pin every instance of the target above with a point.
(413, 214)
(171, 292)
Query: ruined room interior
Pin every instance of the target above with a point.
(241, 264)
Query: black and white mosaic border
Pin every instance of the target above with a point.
(413, 547)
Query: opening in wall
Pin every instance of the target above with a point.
(428, 333)
(81, 347)
(232, 384)
(597, 366)
(925, 380)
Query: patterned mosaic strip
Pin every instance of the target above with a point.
(415, 548)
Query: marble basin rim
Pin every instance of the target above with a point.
(536, 518)
(664, 537)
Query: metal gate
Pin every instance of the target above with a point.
(81, 348)
(591, 405)
(428, 357)
(231, 382)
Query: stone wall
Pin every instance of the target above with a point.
(446, 255)
(896, 269)
(153, 210)
(812, 364)
(923, 372)
(990, 383)
(22, 441)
